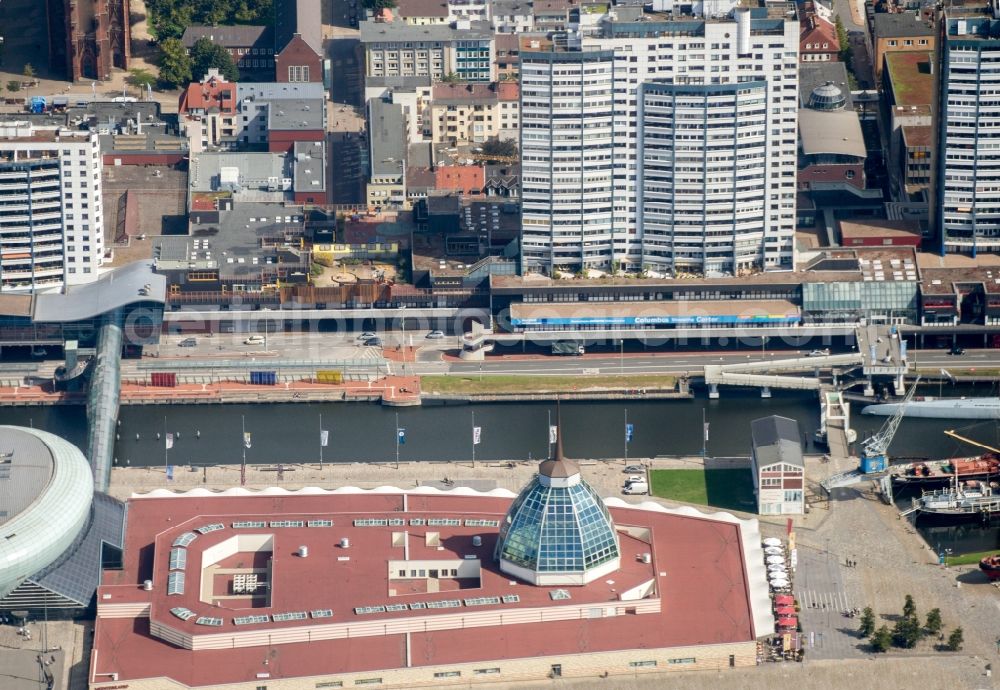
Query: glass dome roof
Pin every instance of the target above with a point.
(827, 96)
(558, 530)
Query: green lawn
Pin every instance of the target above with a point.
(727, 489)
(968, 558)
(491, 384)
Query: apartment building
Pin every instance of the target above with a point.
(715, 197)
(51, 218)
(899, 33)
(968, 179)
(387, 155)
(251, 47)
(396, 48)
(462, 114)
(207, 113)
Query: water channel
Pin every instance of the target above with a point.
(212, 434)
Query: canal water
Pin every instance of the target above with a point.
(213, 434)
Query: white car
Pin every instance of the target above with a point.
(819, 353)
(435, 335)
(254, 340)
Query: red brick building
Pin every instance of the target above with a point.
(298, 62)
(90, 37)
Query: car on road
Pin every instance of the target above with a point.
(367, 335)
(956, 350)
(819, 353)
(435, 335)
(188, 342)
(372, 342)
(633, 469)
(39, 352)
(254, 340)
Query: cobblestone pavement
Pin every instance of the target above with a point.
(19, 655)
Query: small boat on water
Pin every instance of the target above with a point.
(963, 500)
(991, 567)
(940, 408)
(941, 472)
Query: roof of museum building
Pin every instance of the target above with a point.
(698, 568)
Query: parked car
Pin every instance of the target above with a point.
(634, 479)
(636, 488)
(39, 352)
(956, 350)
(188, 342)
(819, 353)
(435, 335)
(633, 469)
(367, 335)
(254, 340)
(372, 342)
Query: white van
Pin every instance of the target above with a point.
(640, 488)
(254, 340)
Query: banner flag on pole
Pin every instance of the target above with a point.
(170, 441)
(629, 432)
(706, 431)
(477, 433)
(170, 472)
(401, 436)
(324, 437)
(553, 433)
(246, 439)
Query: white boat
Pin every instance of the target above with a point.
(941, 408)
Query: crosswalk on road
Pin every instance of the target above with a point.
(811, 599)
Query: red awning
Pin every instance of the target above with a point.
(785, 611)
(787, 622)
(784, 600)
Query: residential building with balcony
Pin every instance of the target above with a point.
(387, 155)
(396, 48)
(663, 145)
(208, 113)
(463, 114)
(968, 175)
(51, 215)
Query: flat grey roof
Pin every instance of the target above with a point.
(387, 128)
(310, 166)
(835, 132)
(814, 74)
(234, 243)
(376, 32)
(269, 91)
(117, 288)
(255, 169)
(901, 25)
(296, 113)
(26, 467)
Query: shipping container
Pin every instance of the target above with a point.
(263, 378)
(163, 379)
(329, 376)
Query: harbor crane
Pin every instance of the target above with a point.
(874, 451)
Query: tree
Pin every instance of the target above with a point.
(451, 78)
(169, 18)
(140, 78)
(909, 607)
(934, 623)
(175, 63)
(13, 86)
(376, 5)
(506, 148)
(29, 72)
(845, 43)
(867, 622)
(955, 640)
(206, 55)
(881, 639)
(906, 633)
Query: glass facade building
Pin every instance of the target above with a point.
(558, 531)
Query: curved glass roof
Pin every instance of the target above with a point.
(827, 96)
(552, 529)
(41, 531)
